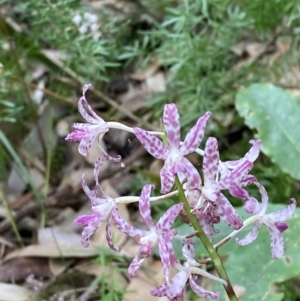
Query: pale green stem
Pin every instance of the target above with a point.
(11, 218)
(246, 223)
(133, 199)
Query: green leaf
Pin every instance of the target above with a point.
(275, 115)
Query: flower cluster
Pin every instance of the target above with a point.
(205, 197)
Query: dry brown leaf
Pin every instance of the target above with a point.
(156, 83)
(73, 178)
(12, 292)
(18, 269)
(52, 250)
(135, 98)
(283, 45)
(58, 266)
(138, 290)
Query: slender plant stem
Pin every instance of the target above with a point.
(206, 242)
(11, 218)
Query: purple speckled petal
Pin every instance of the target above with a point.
(239, 192)
(152, 144)
(92, 194)
(251, 155)
(79, 131)
(167, 179)
(168, 236)
(134, 266)
(195, 135)
(87, 141)
(203, 292)
(207, 226)
(277, 247)
(189, 172)
(192, 175)
(236, 176)
(89, 115)
(124, 227)
(91, 223)
(251, 236)
(109, 236)
(144, 205)
(172, 125)
(167, 219)
(98, 165)
(264, 199)
(283, 214)
(210, 161)
(252, 206)
(188, 249)
(228, 214)
(165, 259)
(174, 288)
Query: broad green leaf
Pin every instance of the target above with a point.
(275, 114)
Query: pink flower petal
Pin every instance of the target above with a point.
(124, 227)
(250, 237)
(192, 175)
(98, 165)
(283, 214)
(228, 214)
(91, 223)
(195, 135)
(236, 175)
(144, 205)
(152, 144)
(188, 249)
(252, 206)
(88, 114)
(172, 125)
(203, 292)
(134, 266)
(167, 219)
(277, 248)
(165, 259)
(239, 192)
(174, 288)
(167, 179)
(210, 161)
(168, 236)
(109, 236)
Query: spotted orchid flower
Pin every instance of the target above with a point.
(275, 222)
(86, 133)
(187, 273)
(174, 153)
(212, 204)
(102, 209)
(160, 234)
(226, 167)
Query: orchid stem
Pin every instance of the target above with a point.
(206, 242)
